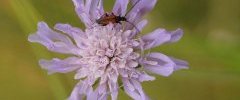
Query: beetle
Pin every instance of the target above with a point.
(112, 18)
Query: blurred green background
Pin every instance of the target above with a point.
(211, 44)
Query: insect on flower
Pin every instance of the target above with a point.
(106, 55)
(112, 18)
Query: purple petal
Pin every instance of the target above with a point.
(132, 63)
(81, 73)
(61, 66)
(75, 94)
(88, 4)
(92, 96)
(130, 90)
(138, 28)
(89, 10)
(176, 35)
(180, 64)
(82, 89)
(113, 75)
(120, 7)
(100, 8)
(77, 34)
(145, 77)
(141, 25)
(86, 86)
(92, 7)
(141, 8)
(134, 89)
(159, 37)
(165, 66)
(113, 87)
(53, 41)
(99, 94)
(83, 12)
(138, 87)
(68, 29)
(155, 38)
(102, 91)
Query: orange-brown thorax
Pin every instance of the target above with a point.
(110, 18)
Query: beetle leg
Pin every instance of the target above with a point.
(106, 15)
(112, 13)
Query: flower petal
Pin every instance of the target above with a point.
(130, 90)
(120, 7)
(92, 96)
(155, 38)
(159, 37)
(134, 89)
(138, 28)
(113, 87)
(75, 94)
(102, 91)
(52, 40)
(88, 4)
(61, 66)
(100, 8)
(165, 66)
(93, 8)
(176, 35)
(83, 88)
(77, 34)
(138, 87)
(82, 12)
(145, 77)
(180, 64)
(89, 10)
(81, 73)
(141, 8)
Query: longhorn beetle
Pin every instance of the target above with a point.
(112, 18)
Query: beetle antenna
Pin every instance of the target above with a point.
(138, 31)
(132, 8)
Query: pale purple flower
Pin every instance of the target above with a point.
(109, 56)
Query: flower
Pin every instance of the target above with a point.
(108, 56)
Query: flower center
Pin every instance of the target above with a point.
(109, 48)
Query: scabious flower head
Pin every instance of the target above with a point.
(108, 56)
